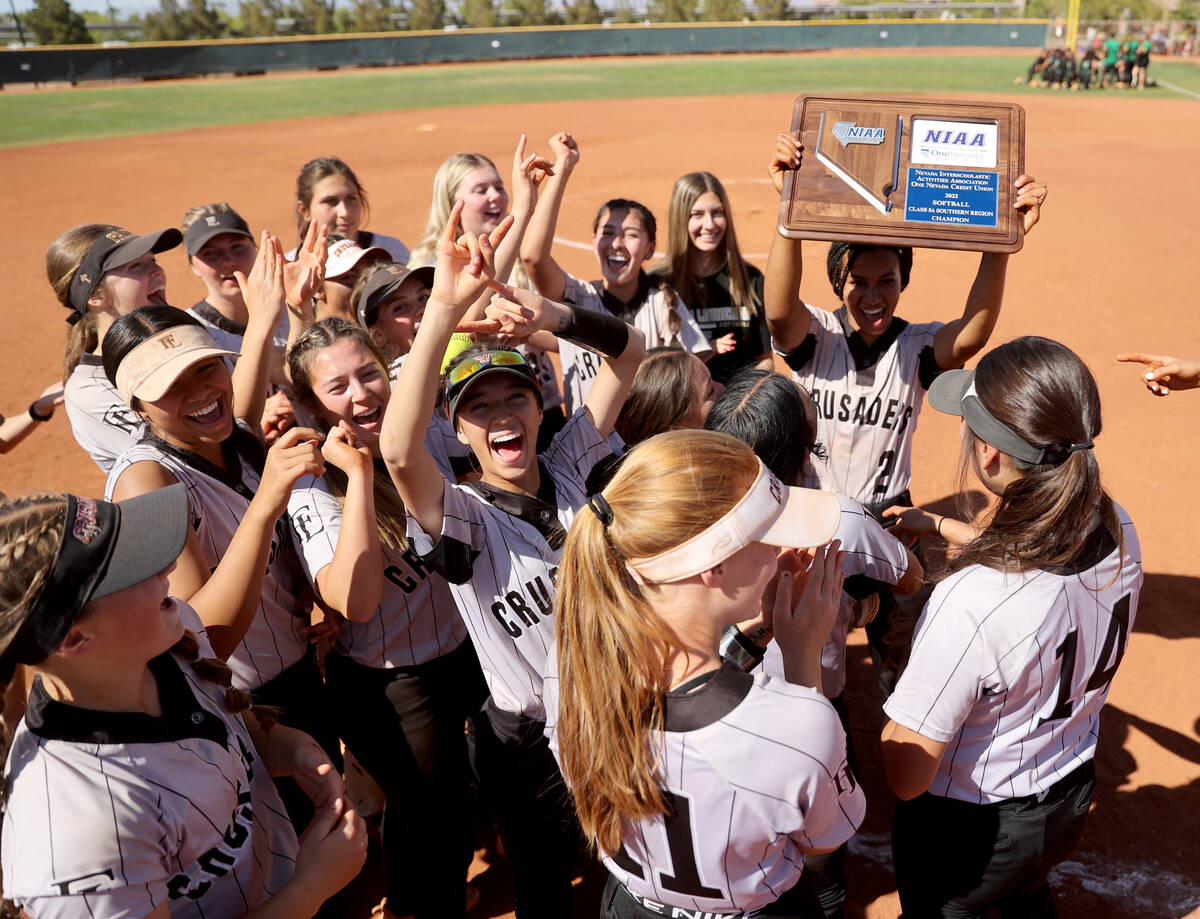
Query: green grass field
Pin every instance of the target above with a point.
(65, 115)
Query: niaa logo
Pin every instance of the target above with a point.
(850, 132)
(955, 138)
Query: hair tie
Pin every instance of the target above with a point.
(602, 509)
(1074, 448)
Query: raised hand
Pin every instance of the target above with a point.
(528, 172)
(278, 416)
(788, 155)
(333, 849)
(296, 453)
(1166, 373)
(263, 291)
(342, 449)
(565, 150)
(804, 625)
(304, 277)
(520, 313)
(1031, 194)
(464, 263)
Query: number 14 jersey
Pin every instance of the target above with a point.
(1010, 669)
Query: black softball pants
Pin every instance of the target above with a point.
(957, 860)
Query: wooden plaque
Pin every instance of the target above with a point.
(906, 172)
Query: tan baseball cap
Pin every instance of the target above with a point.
(150, 369)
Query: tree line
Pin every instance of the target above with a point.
(54, 22)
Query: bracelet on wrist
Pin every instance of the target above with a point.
(938, 527)
(34, 414)
(740, 650)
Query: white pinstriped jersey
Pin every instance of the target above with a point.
(501, 564)
(416, 619)
(103, 425)
(217, 502)
(755, 771)
(229, 334)
(1011, 670)
(580, 365)
(111, 814)
(875, 561)
(868, 400)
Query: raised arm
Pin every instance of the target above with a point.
(528, 172)
(958, 341)
(265, 299)
(458, 280)
(543, 270)
(352, 582)
(302, 278)
(1165, 373)
(787, 316)
(228, 598)
(522, 313)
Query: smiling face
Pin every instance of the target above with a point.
(707, 222)
(872, 292)
(336, 203)
(622, 245)
(485, 200)
(133, 285)
(217, 261)
(399, 316)
(499, 419)
(350, 386)
(196, 412)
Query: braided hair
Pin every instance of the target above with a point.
(841, 259)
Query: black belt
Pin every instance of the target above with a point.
(650, 908)
(1069, 783)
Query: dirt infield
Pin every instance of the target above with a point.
(1107, 270)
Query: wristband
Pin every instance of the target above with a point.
(740, 650)
(596, 331)
(35, 416)
(938, 527)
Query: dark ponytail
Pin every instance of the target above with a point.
(1047, 516)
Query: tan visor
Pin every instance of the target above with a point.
(150, 369)
(770, 512)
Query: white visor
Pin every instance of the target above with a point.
(771, 513)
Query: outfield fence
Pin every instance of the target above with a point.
(79, 64)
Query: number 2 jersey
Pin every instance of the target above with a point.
(754, 772)
(110, 814)
(868, 399)
(1010, 670)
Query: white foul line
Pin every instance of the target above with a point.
(1178, 89)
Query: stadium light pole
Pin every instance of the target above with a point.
(17, 19)
(1072, 24)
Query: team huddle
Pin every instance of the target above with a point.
(569, 555)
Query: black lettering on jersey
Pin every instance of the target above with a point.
(416, 563)
(121, 418)
(499, 610)
(400, 579)
(844, 779)
(908, 410)
(844, 408)
(541, 595)
(217, 861)
(306, 523)
(1115, 640)
(686, 877)
(521, 607)
(407, 581)
(887, 464)
(81, 884)
(889, 417)
(588, 364)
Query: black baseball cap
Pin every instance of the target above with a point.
(210, 225)
(384, 282)
(104, 548)
(467, 372)
(111, 250)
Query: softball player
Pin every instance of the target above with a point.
(623, 242)
(498, 539)
(329, 194)
(168, 370)
(993, 725)
(705, 267)
(402, 674)
(100, 272)
(702, 787)
(778, 420)
(473, 179)
(134, 787)
(866, 369)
